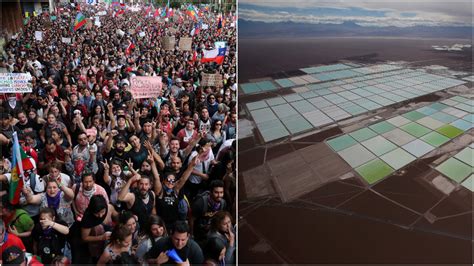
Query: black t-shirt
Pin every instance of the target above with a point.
(167, 206)
(115, 155)
(8, 133)
(138, 157)
(49, 242)
(30, 126)
(191, 251)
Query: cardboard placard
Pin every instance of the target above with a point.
(145, 87)
(212, 80)
(66, 40)
(185, 43)
(172, 30)
(131, 31)
(15, 82)
(168, 42)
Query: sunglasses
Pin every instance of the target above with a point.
(172, 181)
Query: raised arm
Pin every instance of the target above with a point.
(107, 178)
(108, 142)
(110, 109)
(68, 192)
(30, 197)
(125, 195)
(187, 173)
(136, 120)
(156, 156)
(193, 143)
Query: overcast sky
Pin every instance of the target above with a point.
(400, 13)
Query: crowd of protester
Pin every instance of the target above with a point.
(119, 180)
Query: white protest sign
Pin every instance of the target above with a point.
(205, 26)
(220, 44)
(141, 34)
(97, 22)
(101, 13)
(15, 82)
(39, 36)
(120, 32)
(145, 87)
(66, 40)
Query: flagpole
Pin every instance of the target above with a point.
(16, 147)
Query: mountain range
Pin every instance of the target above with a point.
(257, 29)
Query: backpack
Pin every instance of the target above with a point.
(205, 198)
(49, 245)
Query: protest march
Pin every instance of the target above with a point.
(118, 129)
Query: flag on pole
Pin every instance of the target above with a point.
(129, 48)
(196, 29)
(215, 55)
(79, 21)
(147, 11)
(169, 13)
(164, 12)
(20, 163)
(220, 24)
(191, 12)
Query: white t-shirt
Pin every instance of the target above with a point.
(202, 167)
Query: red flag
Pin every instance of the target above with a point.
(129, 48)
(147, 11)
(157, 13)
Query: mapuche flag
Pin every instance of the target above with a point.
(79, 21)
(20, 163)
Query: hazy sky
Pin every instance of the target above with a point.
(400, 13)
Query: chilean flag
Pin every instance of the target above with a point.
(215, 55)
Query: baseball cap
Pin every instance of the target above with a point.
(120, 138)
(13, 255)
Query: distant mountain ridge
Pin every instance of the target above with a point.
(257, 29)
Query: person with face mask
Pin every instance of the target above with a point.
(168, 194)
(83, 192)
(114, 178)
(12, 105)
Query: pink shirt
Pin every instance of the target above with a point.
(81, 202)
